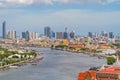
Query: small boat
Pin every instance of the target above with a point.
(34, 64)
(37, 59)
(13, 67)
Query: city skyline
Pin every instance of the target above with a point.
(48, 32)
(82, 16)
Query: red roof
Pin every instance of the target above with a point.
(112, 69)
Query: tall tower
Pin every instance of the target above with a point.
(4, 30)
(47, 31)
(65, 34)
(111, 35)
(27, 35)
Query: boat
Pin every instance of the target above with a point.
(34, 64)
(13, 67)
(37, 59)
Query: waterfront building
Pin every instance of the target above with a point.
(59, 35)
(87, 75)
(65, 42)
(47, 31)
(11, 34)
(4, 30)
(109, 51)
(110, 73)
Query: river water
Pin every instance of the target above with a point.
(56, 65)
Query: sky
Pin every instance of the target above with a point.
(82, 16)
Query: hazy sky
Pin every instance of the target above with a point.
(78, 15)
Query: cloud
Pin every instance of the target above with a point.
(81, 20)
(2, 5)
(27, 2)
(14, 3)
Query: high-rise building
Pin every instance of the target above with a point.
(27, 35)
(33, 35)
(4, 30)
(24, 35)
(59, 35)
(52, 34)
(103, 33)
(72, 34)
(47, 31)
(90, 34)
(111, 35)
(65, 34)
(11, 34)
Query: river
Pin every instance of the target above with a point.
(56, 65)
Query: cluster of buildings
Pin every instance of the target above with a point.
(108, 73)
(11, 34)
(50, 37)
(58, 35)
(29, 35)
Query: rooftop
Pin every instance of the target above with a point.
(112, 69)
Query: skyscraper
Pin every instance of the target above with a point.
(72, 34)
(52, 34)
(65, 34)
(4, 30)
(90, 34)
(24, 35)
(27, 35)
(11, 34)
(47, 31)
(111, 35)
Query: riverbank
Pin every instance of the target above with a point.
(21, 63)
(15, 64)
(12, 57)
(99, 55)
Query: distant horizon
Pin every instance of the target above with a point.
(82, 16)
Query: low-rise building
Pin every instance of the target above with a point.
(109, 51)
(87, 75)
(111, 73)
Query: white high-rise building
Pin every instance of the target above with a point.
(33, 35)
(11, 34)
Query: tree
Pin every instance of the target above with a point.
(111, 60)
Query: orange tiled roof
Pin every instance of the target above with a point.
(113, 69)
(90, 74)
